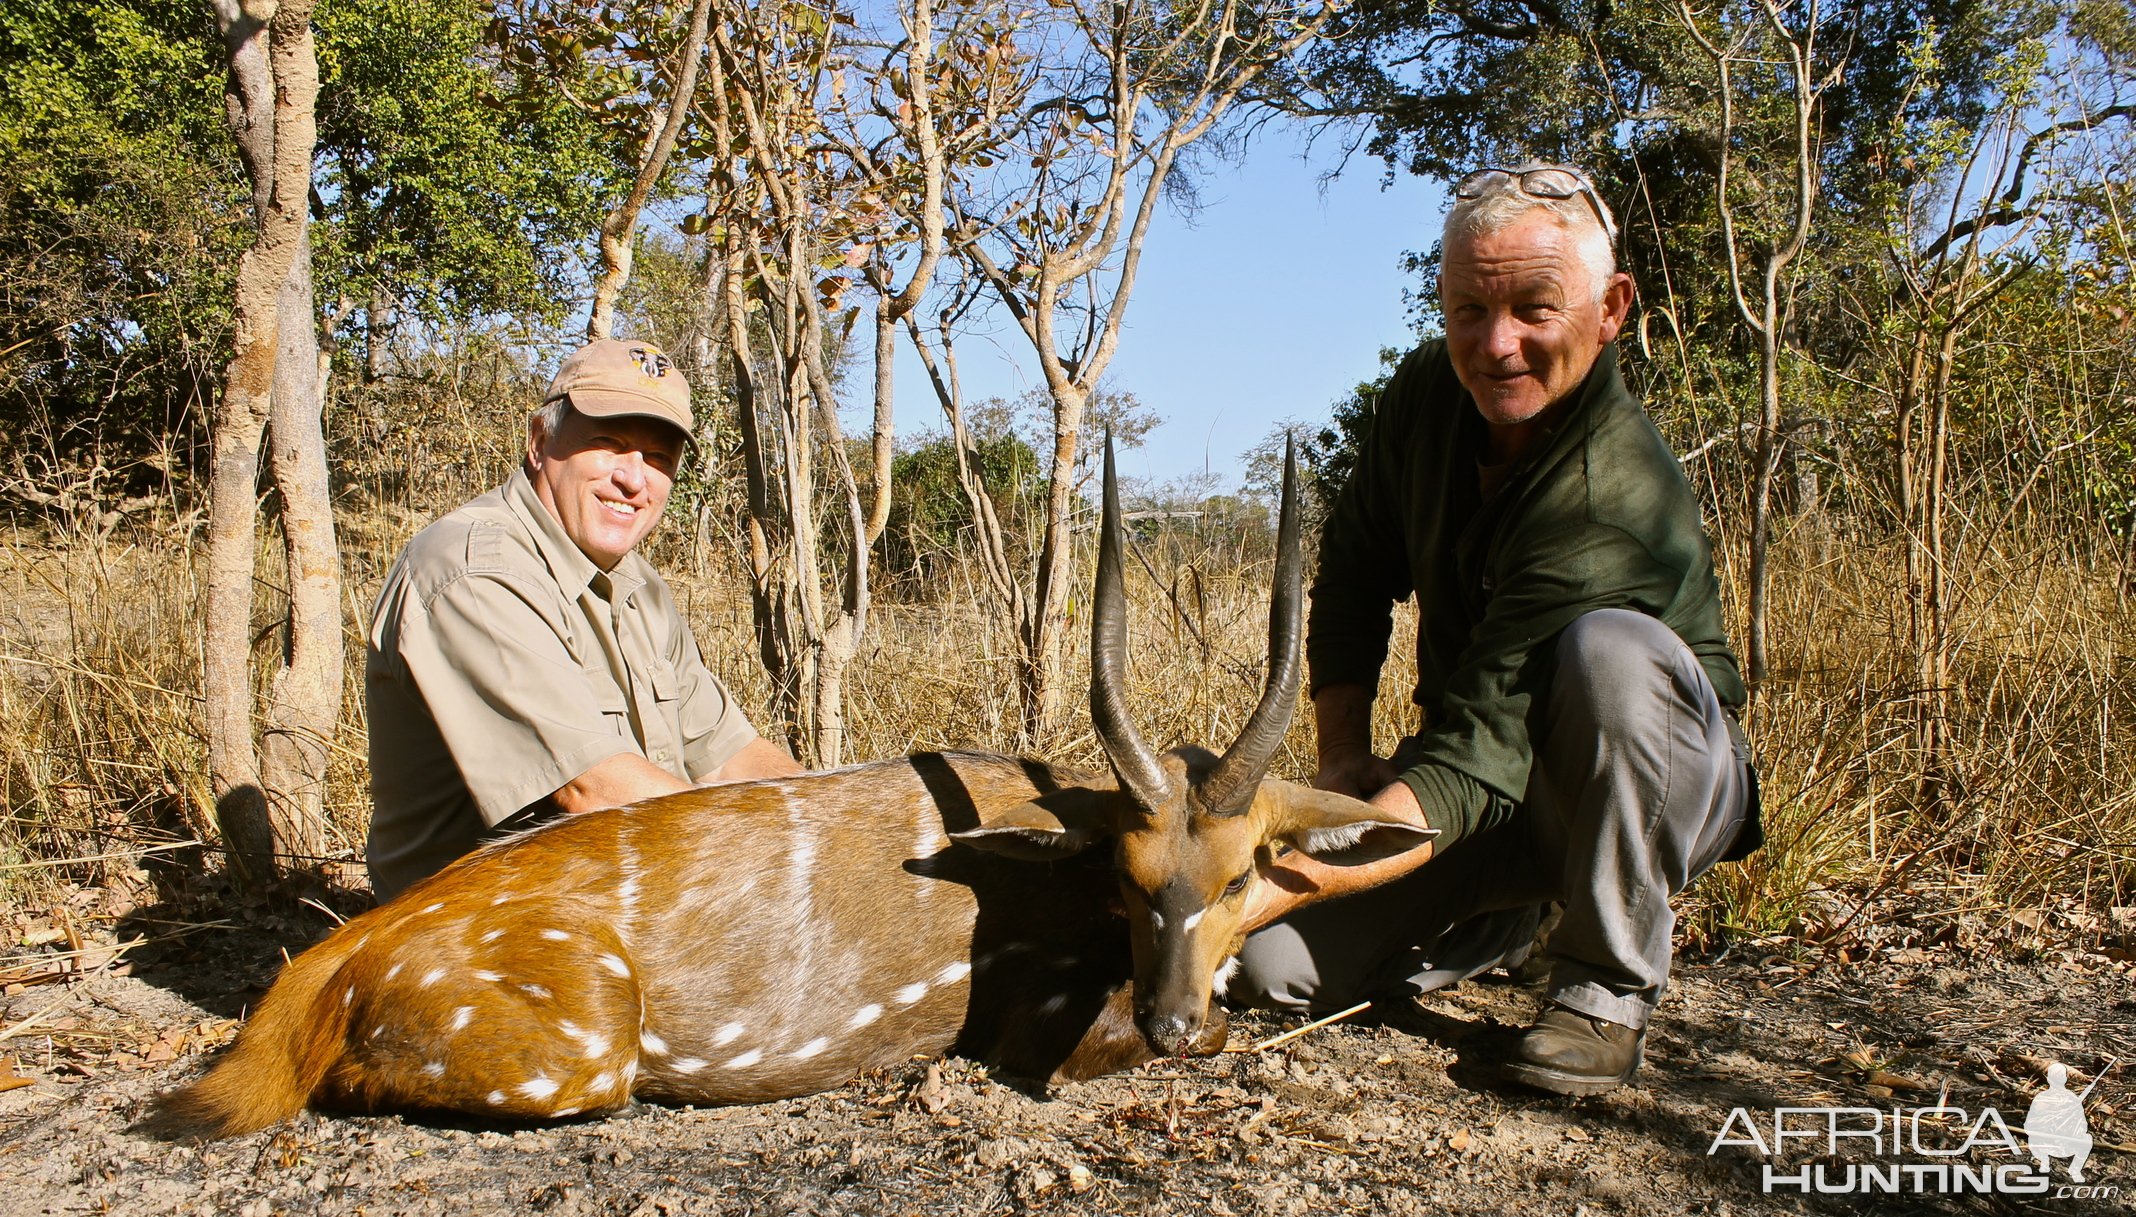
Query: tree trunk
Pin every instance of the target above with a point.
(274, 82)
(1766, 470)
(1041, 674)
(621, 224)
(304, 696)
(377, 335)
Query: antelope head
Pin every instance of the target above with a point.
(1192, 830)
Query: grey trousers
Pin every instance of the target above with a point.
(1637, 789)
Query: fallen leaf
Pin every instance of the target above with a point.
(931, 1097)
(1895, 1081)
(1578, 1134)
(9, 1079)
(1459, 1142)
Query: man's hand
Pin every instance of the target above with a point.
(1342, 727)
(1357, 774)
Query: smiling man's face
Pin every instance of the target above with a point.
(1525, 321)
(605, 480)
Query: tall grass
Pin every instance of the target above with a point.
(100, 749)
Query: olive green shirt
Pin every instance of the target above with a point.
(502, 663)
(1598, 515)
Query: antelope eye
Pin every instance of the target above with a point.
(1237, 885)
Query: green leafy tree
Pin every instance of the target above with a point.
(445, 190)
(120, 222)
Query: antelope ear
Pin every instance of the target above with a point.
(1050, 827)
(1338, 829)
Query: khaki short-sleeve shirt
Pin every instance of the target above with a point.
(502, 663)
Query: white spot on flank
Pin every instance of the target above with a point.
(570, 1030)
(601, 1081)
(435, 907)
(394, 970)
(496, 1098)
(728, 1034)
(953, 973)
(461, 1017)
(348, 995)
(629, 890)
(630, 1072)
(1189, 924)
(865, 1015)
(377, 1031)
(596, 1046)
(689, 1064)
(493, 936)
(812, 1047)
(486, 974)
(538, 1087)
(746, 1059)
(555, 935)
(615, 964)
(435, 1069)
(651, 1044)
(561, 1112)
(540, 991)
(911, 993)
(432, 977)
(501, 898)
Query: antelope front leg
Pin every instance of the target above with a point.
(1114, 1042)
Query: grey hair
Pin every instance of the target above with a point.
(1497, 210)
(549, 416)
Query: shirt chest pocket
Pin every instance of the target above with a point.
(666, 682)
(609, 699)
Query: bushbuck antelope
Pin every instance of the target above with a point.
(765, 940)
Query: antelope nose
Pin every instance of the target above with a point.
(1168, 1034)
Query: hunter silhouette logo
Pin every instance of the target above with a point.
(1937, 1149)
(2055, 1125)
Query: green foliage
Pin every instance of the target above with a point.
(120, 224)
(930, 516)
(453, 195)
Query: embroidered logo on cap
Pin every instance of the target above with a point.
(655, 364)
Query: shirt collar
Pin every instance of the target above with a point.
(568, 564)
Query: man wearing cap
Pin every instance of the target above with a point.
(1578, 739)
(524, 661)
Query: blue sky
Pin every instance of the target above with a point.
(1268, 303)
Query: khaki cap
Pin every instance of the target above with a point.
(623, 376)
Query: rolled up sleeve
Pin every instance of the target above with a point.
(519, 714)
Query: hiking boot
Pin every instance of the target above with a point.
(1567, 1052)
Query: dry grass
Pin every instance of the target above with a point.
(100, 750)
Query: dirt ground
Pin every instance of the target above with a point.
(1395, 1110)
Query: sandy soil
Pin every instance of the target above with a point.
(1394, 1111)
